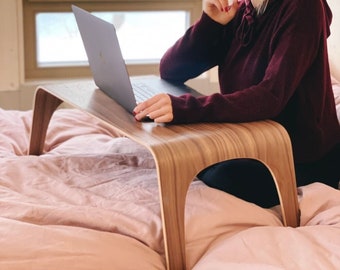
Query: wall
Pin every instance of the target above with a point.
(10, 52)
(334, 39)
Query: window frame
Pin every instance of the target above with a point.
(32, 7)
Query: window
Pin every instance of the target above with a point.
(53, 47)
(144, 36)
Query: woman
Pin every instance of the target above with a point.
(273, 64)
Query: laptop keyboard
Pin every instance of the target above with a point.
(142, 91)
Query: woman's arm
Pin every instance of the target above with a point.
(202, 45)
(294, 67)
(197, 51)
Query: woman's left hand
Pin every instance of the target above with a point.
(158, 108)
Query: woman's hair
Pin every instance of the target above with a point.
(262, 7)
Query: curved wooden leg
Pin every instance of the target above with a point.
(287, 191)
(275, 151)
(174, 179)
(180, 159)
(44, 106)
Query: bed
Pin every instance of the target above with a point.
(91, 201)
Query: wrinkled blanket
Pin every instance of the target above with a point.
(91, 202)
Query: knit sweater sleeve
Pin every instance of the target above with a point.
(192, 54)
(291, 51)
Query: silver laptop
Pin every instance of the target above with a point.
(108, 66)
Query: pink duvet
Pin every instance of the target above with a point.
(91, 202)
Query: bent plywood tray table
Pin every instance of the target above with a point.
(180, 152)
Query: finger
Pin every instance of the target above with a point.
(234, 7)
(154, 107)
(164, 113)
(212, 4)
(139, 108)
(225, 5)
(158, 108)
(164, 118)
(145, 104)
(142, 115)
(162, 109)
(146, 108)
(219, 5)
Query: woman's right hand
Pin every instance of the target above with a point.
(220, 11)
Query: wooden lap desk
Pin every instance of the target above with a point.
(180, 152)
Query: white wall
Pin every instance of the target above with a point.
(13, 94)
(334, 39)
(9, 45)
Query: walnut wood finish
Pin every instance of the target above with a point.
(180, 152)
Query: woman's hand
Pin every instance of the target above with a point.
(220, 11)
(157, 108)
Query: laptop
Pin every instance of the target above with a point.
(109, 69)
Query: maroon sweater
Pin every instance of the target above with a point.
(276, 68)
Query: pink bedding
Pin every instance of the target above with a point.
(91, 202)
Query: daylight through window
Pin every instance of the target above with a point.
(144, 36)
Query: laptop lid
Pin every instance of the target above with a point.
(105, 58)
